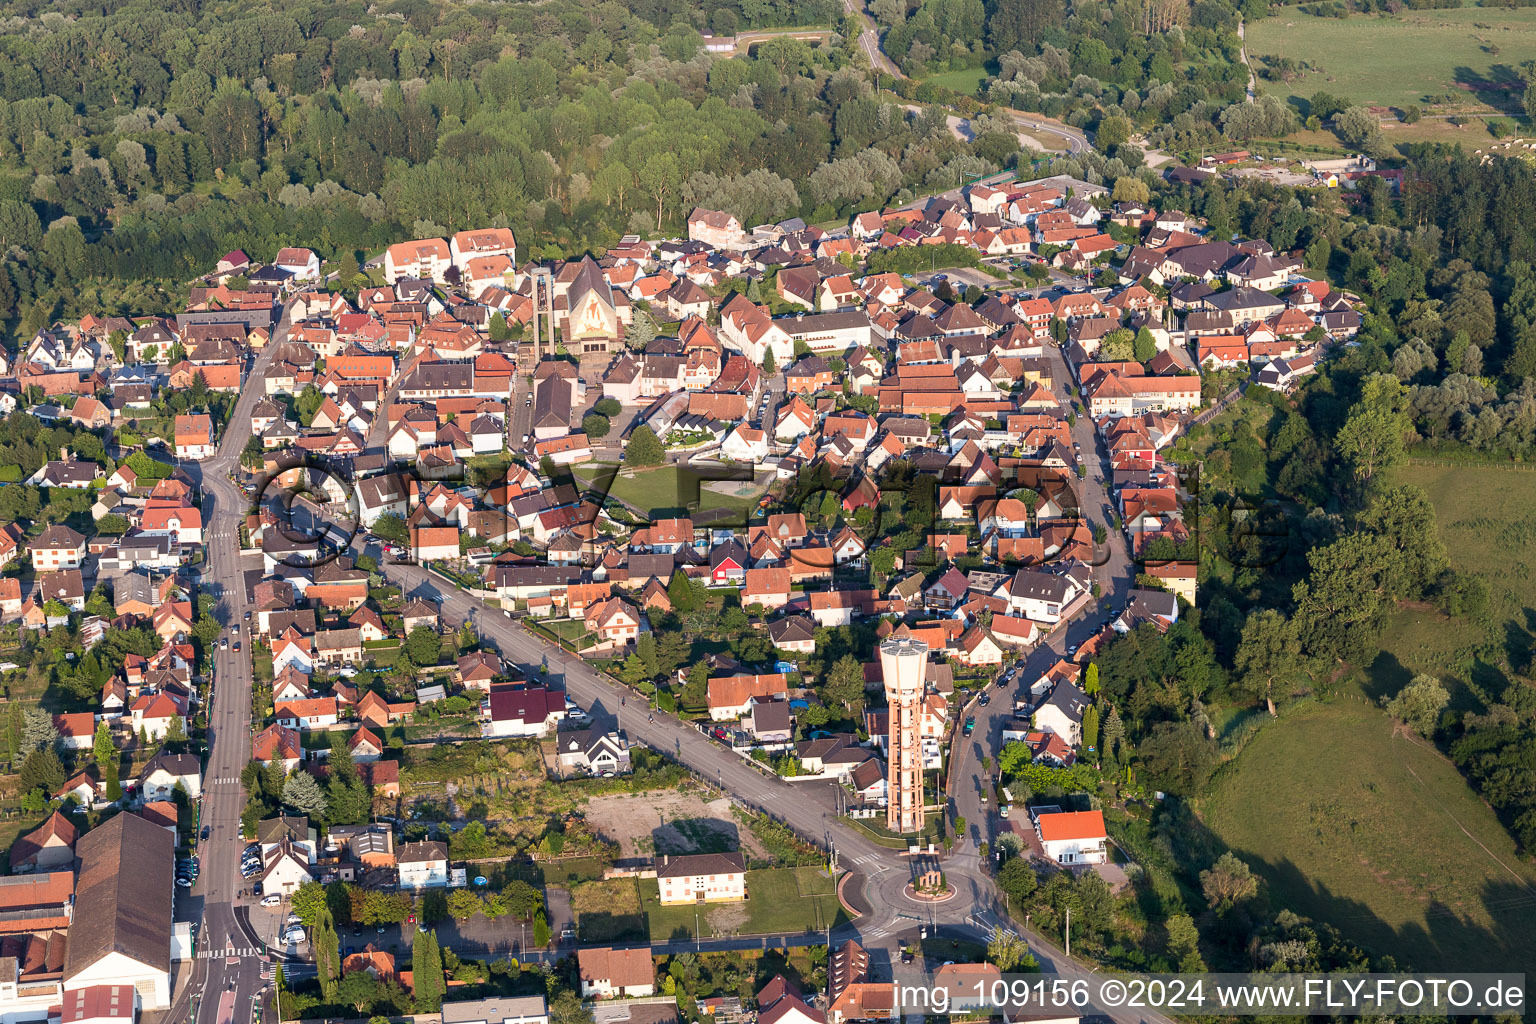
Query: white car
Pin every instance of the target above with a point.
(293, 936)
(271, 900)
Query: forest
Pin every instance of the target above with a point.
(139, 142)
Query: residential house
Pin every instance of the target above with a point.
(57, 547)
(608, 973)
(1073, 837)
(526, 711)
(423, 865)
(166, 772)
(593, 752)
(311, 713)
(49, 847)
(702, 878)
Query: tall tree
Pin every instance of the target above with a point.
(1418, 705)
(1269, 647)
(327, 954)
(302, 793)
(427, 972)
(1373, 438)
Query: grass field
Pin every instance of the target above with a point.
(665, 490)
(1483, 515)
(966, 81)
(1397, 61)
(781, 901)
(1378, 835)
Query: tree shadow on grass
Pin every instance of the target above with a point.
(1501, 87)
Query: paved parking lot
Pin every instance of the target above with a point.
(482, 935)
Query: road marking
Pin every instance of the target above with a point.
(219, 954)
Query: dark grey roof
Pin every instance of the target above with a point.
(701, 864)
(1243, 297)
(423, 853)
(792, 629)
(441, 377)
(1068, 699)
(295, 827)
(178, 765)
(1041, 586)
(552, 402)
(799, 326)
(1161, 603)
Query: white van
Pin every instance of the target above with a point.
(271, 900)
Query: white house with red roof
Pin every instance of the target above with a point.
(1073, 837)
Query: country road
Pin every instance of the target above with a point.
(1076, 141)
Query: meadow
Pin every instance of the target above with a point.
(1483, 514)
(668, 490)
(1399, 60)
(1357, 823)
(966, 81)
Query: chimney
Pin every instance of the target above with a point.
(65, 456)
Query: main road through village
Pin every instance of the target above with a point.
(230, 956)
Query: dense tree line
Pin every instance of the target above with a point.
(139, 143)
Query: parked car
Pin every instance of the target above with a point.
(205, 833)
(293, 936)
(985, 700)
(272, 900)
(970, 725)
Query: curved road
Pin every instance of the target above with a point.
(869, 41)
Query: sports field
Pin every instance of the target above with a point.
(1474, 52)
(1352, 822)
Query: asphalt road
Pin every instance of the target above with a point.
(229, 954)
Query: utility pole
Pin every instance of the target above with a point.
(1069, 931)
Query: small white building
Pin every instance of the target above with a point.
(303, 264)
(286, 868)
(423, 865)
(608, 973)
(1073, 837)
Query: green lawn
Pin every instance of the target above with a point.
(1484, 519)
(780, 901)
(1380, 836)
(668, 490)
(1471, 52)
(966, 81)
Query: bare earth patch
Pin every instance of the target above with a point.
(679, 822)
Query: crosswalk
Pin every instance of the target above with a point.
(226, 780)
(228, 951)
